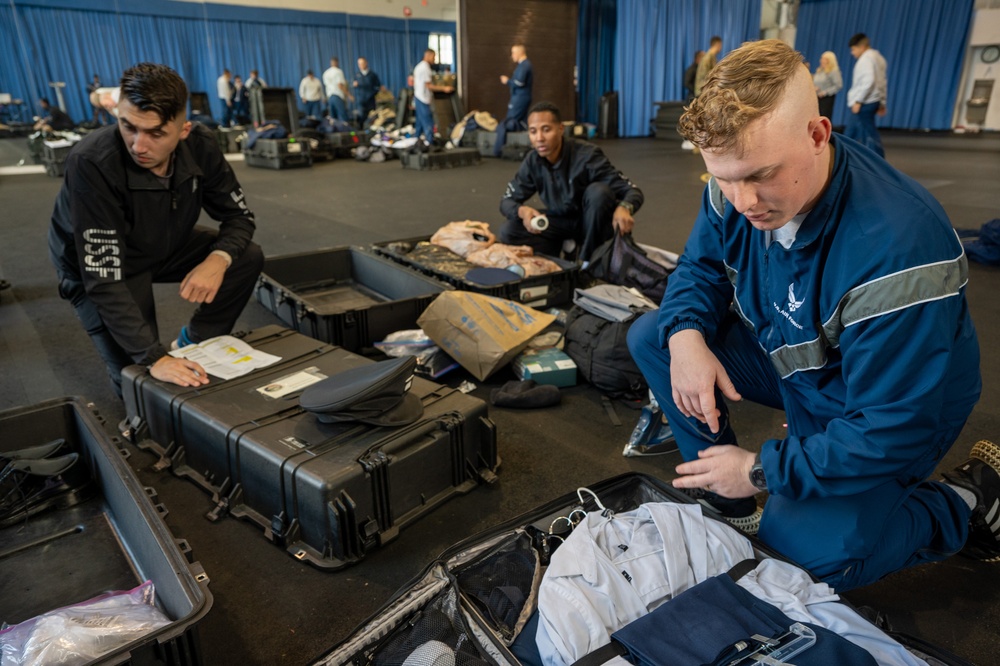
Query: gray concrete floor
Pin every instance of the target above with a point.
(269, 608)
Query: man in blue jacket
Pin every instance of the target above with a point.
(520, 96)
(819, 280)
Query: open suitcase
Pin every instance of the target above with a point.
(98, 530)
(326, 492)
(477, 602)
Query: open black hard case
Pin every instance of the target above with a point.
(478, 596)
(108, 536)
(327, 493)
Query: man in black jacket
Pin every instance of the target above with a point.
(587, 199)
(125, 219)
(55, 119)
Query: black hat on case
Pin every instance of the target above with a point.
(377, 394)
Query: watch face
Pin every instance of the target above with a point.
(757, 477)
(990, 54)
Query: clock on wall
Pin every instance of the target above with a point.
(990, 54)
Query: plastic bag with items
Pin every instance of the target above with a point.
(464, 238)
(82, 633)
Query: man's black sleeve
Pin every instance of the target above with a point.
(602, 171)
(223, 197)
(99, 224)
(521, 188)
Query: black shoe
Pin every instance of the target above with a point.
(980, 474)
(29, 486)
(742, 513)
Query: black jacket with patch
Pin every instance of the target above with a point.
(114, 219)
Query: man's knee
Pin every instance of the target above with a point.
(250, 262)
(598, 194)
(644, 340)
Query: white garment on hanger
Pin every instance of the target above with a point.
(610, 572)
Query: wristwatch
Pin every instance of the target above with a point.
(627, 206)
(757, 475)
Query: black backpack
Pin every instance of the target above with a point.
(599, 349)
(620, 261)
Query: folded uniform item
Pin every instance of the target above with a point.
(525, 395)
(377, 394)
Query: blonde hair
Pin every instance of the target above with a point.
(832, 59)
(745, 85)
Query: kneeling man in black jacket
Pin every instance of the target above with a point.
(586, 197)
(125, 219)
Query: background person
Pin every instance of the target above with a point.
(828, 82)
(366, 84)
(587, 199)
(867, 96)
(423, 96)
(520, 83)
(311, 94)
(335, 84)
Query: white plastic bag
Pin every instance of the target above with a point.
(81, 633)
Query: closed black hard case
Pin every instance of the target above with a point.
(327, 493)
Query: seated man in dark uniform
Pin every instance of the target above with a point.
(125, 219)
(55, 119)
(587, 199)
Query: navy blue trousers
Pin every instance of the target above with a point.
(861, 127)
(847, 541)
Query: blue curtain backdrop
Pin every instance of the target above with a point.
(656, 42)
(923, 42)
(595, 55)
(71, 40)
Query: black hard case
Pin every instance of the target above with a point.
(278, 154)
(447, 159)
(538, 291)
(327, 493)
(345, 296)
(114, 540)
(451, 586)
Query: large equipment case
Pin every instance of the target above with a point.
(478, 599)
(278, 154)
(441, 159)
(345, 296)
(327, 493)
(106, 532)
(538, 291)
(607, 116)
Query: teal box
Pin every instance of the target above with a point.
(546, 366)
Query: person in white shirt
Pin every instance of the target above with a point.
(867, 96)
(224, 90)
(336, 90)
(311, 92)
(423, 95)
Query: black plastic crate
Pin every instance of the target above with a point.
(539, 291)
(231, 138)
(107, 535)
(344, 142)
(280, 104)
(199, 104)
(425, 161)
(345, 296)
(278, 154)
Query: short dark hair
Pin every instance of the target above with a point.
(153, 87)
(335, 60)
(546, 107)
(426, 51)
(715, 40)
(44, 100)
(860, 38)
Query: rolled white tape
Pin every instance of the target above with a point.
(539, 223)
